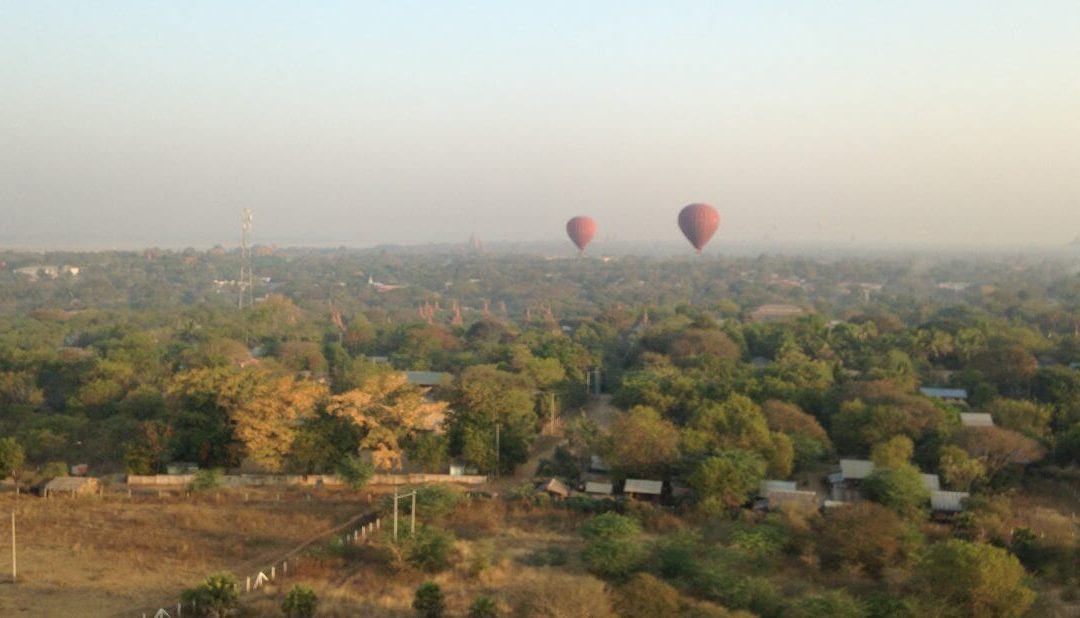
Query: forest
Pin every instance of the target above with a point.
(726, 372)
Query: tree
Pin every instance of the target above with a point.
(641, 442)
(900, 488)
(809, 439)
(738, 422)
(645, 596)
(999, 448)
(959, 578)
(864, 536)
(1026, 417)
(300, 602)
(266, 422)
(387, 410)
(355, 471)
(217, 597)
(12, 458)
(958, 469)
(893, 453)
(726, 479)
(612, 547)
(430, 450)
(486, 398)
(428, 601)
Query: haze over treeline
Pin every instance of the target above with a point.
(919, 123)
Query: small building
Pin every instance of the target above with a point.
(976, 419)
(768, 485)
(931, 482)
(596, 464)
(637, 488)
(955, 395)
(71, 486)
(777, 499)
(599, 488)
(948, 502)
(555, 488)
(428, 378)
(846, 482)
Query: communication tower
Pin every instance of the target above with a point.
(246, 283)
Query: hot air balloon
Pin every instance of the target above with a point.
(581, 230)
(698, 223)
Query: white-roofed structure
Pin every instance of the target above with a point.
(976, 419)
(948, 501)
(947, 394)
(856, 469)
(599, 488)
(768, 485)
(642, 487)
(782, 498)
(556, 488)
(931, 481)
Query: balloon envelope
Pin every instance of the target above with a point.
(581, 230)
(698, 223)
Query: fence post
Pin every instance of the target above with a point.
(247, 588)
(273, 573)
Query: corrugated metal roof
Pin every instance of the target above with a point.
(557, 487)
(428, 378)
(778, 498)
(948, 501)
(856, 469)
(639, 486)
(767, 486)
(976, 419)
(931, 481)
(944, 393)
(593, 487)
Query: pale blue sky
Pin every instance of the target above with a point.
(141, 123)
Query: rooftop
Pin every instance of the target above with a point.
(976, 419)
(640, 486)
(944, 393)
(856, 469)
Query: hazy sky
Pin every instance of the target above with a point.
(356, 123)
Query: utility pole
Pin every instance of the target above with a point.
(497, 425)
(14, 563)
(412, 516)
(551, 397)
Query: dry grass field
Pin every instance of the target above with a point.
(118, 556)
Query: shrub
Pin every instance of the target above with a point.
(644, 596)
(215, 598)
(834, 603)
(483, 607)
(429, 550)
(355, 471)
(675, 557)
(429, 601)
(556, 594)
(613, 549)
(300, 602)
(54, 469)
(736, 591)
(206, 479)
(973, 579)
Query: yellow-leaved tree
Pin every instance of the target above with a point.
(266, 423)
(388, 409)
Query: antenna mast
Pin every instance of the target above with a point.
(246, 283)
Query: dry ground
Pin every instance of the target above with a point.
(114, 555)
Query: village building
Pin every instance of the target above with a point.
(643, 489)
(976, 419)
